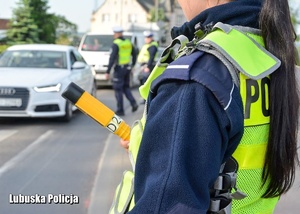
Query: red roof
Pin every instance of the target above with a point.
(4, 24)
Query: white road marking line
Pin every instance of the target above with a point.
(6, 134)
(24, 153)
(100, 166)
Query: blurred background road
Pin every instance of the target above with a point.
(45, 156)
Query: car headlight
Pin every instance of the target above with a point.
(49, 88)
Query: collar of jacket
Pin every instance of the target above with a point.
(120, 37)
(239, 12)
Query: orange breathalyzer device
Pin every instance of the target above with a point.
(91, 106)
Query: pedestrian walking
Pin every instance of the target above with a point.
(147, 56)
(122, 58)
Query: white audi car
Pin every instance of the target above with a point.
(33, 77)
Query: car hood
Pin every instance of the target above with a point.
(31, 77)
(96, 57)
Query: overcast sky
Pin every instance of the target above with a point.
(76, 11)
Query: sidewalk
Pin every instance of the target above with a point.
(289, 203)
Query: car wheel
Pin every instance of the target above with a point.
(68, 112)
(94, 90)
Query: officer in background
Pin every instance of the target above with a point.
(147, 56)
(123, 58)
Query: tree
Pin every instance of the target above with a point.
(295, 16)
(160, 13)
(23, 28)
(65, 30)
(44, 21)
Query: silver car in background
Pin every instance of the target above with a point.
(33, 76)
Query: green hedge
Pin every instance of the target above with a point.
(3, 48)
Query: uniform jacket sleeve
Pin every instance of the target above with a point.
(113, 57)
(187, 136)
(152, 52)
(133, 56)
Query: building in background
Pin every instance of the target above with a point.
(3, 28)
(134, 16)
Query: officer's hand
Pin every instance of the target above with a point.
(146, 70)
(124, 144)
(106, 76)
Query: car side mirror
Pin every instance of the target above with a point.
(78, 65)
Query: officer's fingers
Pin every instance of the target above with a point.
(124, 143)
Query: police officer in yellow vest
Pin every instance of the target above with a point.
(147, 56)
(229, 90)
(123, 58)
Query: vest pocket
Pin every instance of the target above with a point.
(135, 140)
(123, 194)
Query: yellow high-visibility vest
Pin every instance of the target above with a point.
(125, 48)
(144, 55)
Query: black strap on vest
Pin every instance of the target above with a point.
(221, 194)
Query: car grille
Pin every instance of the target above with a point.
(46, 108)
(14, 93)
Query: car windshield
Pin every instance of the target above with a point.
(34, 59)
(98, 42)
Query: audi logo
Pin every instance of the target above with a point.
(7, 91)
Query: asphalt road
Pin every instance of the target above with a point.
(59, 161)
(78, 160)
(51, 160)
